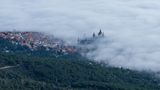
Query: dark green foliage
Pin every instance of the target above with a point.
(9, 46)
(33, 73)
(36, 70)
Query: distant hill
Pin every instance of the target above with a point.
(22, 68)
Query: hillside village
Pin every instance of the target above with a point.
(35, 39)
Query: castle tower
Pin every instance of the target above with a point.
(100, 33)
(94, 35)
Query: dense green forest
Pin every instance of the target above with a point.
(24, 69)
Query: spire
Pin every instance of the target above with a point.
(94, 35)
(100, 33)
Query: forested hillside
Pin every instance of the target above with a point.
(24, 69)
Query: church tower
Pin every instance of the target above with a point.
(101, 34)
(94, 35)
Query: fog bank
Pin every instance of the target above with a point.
(130, 26)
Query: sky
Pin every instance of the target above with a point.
(131, 27)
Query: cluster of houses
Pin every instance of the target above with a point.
(36, 39)
(33, 40)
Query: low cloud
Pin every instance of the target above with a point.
(131, 26)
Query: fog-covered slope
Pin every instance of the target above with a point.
(23, 69)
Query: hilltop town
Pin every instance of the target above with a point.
(33, 40)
